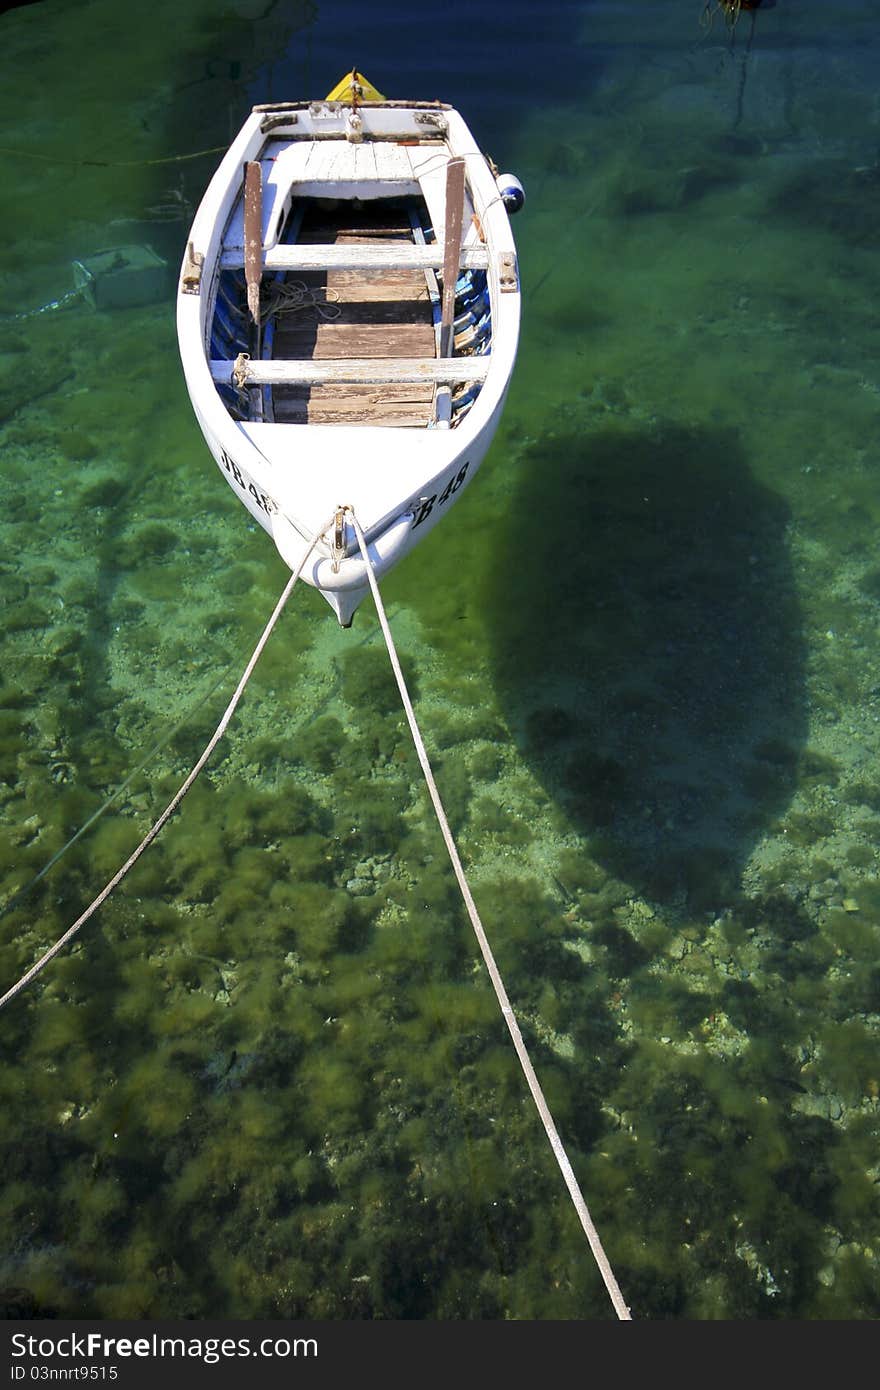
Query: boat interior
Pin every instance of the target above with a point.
(354, 332)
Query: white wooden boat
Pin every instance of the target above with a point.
(348, 316)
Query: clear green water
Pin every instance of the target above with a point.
(270, 1078)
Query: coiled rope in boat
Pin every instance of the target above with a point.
(292, 296)
(501, 995)
(532, 1081)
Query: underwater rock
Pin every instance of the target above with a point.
(566, 160)
(30, 613)
(19, 1304)
(830, 195)
(107, 491)
(24, 385)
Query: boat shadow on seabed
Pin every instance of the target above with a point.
(649, 650)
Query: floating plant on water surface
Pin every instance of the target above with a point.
(730, 10)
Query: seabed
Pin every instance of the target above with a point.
(270, 1079)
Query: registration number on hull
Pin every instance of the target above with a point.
(241, 479)
(427, 504)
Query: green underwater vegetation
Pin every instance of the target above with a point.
(270, 1078)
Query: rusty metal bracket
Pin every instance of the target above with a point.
(240, 370)
(191, 279)
(337, 546)
(432, 120)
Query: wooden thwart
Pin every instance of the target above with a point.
(352, 256)
(364, 369)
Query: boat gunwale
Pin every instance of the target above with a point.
(227, 436)
(281, 106)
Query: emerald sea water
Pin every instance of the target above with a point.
(269, 1078)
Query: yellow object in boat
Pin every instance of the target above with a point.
(353, 88)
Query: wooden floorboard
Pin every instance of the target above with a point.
(381, 314)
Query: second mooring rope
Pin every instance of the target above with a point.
(534, 1085)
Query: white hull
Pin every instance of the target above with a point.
(294, 468)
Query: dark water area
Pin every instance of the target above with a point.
(269, 1078)
(509, 52)
(659, 684)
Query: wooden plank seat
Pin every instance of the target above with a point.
(399, 255)
(369, 370)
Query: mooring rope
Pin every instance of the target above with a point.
(501, 995)
(182, 789)
(534, 1085)
(64, 300)
(110, 163)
